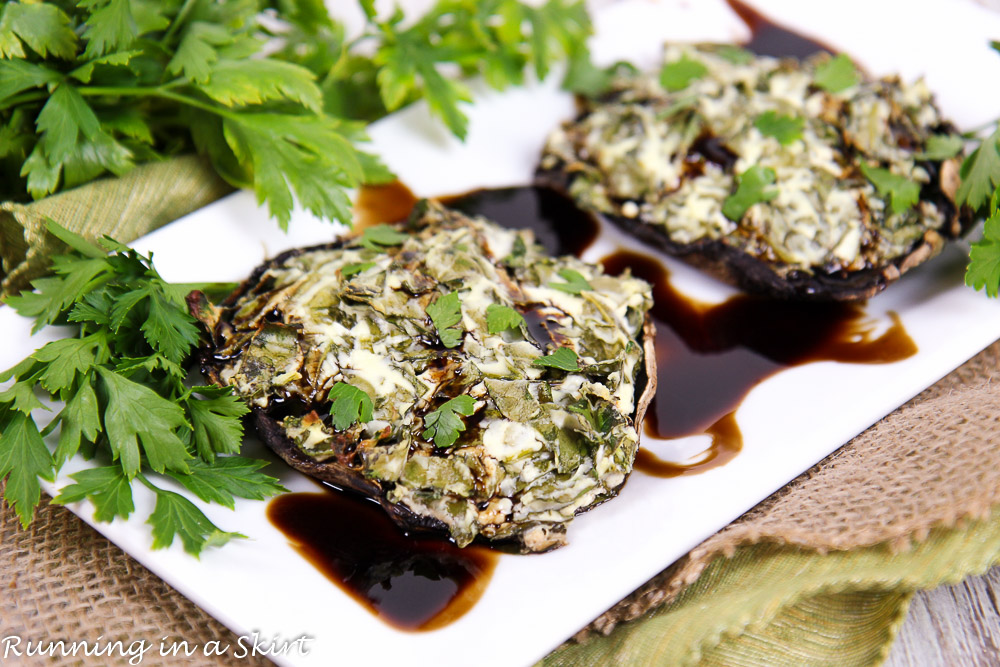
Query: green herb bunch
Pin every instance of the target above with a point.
(980, 190)
(121, 378)
(271, 91)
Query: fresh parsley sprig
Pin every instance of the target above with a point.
(678, 75)
(754, 186)
(271, 91)
(95, 87)
(786, 129)
(497, 39)
(984, 257)
(445, 424)
(121, 381)
(903, 193)
(575, 282)
(980, 183)
(562, 358)
(349, 405)
(499, 318)
(836, 74)
(446, 315)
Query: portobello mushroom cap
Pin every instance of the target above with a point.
(542, 443)
(661, 164)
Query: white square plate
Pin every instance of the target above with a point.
(788, 422)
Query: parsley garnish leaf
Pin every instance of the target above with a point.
(500, 318)
(836, 75)
(753, 187)
(110, 27)
(349, 405)
(79, 420)
(446, 314)
(85, 72)
(980, 174)
(215, 421)
(786, 129)
(443, 96)
(289, 152)
(941, 147)
(249, 82)
(176, 516)
(359, 267)
(17, 76)
(678, 75)
(43, 27)
(901, 191)
(168, 329)
(984, 265)
(575, 282)
(445, 424)
(74, 241)
(55, 295)
(379, 237)
(227, 478)
(497, 40)
(137, 414)
(584, 78)
(196, 52)
(108, 487)
(67, 357)
(734, 54)
(563, 358)
(23, 459)
(21, 397)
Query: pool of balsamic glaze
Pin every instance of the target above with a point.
(411, 583)
(558, 223)
(709, 357)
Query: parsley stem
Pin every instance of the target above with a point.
(25, 98)
(155, 91)
(142, 478)
(178, 21)
(192, 102)
(116, 91)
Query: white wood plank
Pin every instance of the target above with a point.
(952, 625)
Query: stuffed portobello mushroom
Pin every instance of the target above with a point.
(795, 179)
(447, 368)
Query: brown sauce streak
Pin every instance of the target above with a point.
(376, 204)
(413, 584)
(771, 39)
(710, 356)
(727, 442)
(558, 223)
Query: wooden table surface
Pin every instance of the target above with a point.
(953, 625)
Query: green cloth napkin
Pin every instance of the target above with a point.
(767, 604)
(124, 208)
(780, 605)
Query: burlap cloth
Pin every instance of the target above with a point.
(819, 573)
